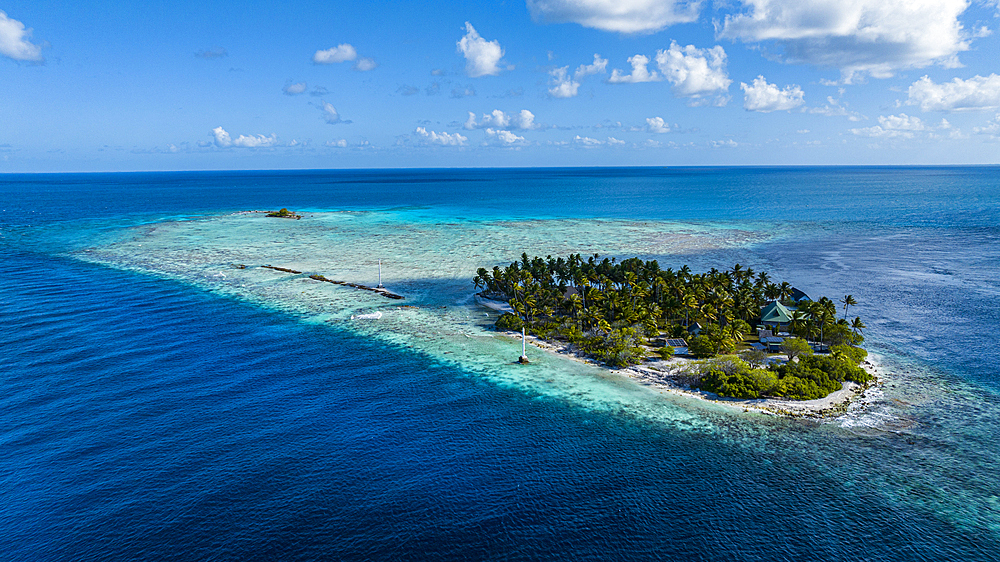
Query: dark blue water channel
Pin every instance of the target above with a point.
(145, 419)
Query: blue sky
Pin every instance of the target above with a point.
(238, 85)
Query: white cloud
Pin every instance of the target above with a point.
(364, 64)
(294, 89)
(482, 57)
(657, 125)
(341, 53)
(834, 108)
(877, 37)
(978, 92)
(340, 143)
(598, 66)
(623, 16)
(639, 72)
(694, 72)
(330, 114)
(587, 141)
(444, 139)
(497, 118)
(728, 143)
(524, 120)
(507, 138)
(14, 41)
(563, 86)
(470, 123)
(612, 141)
(898, 126)
(224, 140)
(992, 128)
(764, 97)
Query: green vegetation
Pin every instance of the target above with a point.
(284, 214)
(808, 378)
(795, 347)
(610, 310)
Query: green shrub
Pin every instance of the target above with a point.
(734, 385)
(702, 347)
(666, 352)
(617, 348)
(837, 369)
(855, 354)
(795, 347)
(803, 381)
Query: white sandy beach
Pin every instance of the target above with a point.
(663, 376)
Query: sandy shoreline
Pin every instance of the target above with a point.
(662, 376)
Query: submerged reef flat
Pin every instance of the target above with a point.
(427, 260)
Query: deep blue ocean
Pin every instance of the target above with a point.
(147, 418)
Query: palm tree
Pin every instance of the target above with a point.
(785, 289)
(857, 325)
(848, 302)
(771, 291)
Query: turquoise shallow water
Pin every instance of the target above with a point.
(159, 403)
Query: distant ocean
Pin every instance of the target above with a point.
(158, 403)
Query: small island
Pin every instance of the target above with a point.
(284, 214)
(744, 336)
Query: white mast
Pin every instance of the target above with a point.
(379, 274)
(524, 355)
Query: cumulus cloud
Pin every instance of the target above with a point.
(991, 128)
(764, 97)
(330, 114)
(639, 72)
(444, 139)
(524, 120)
(877, 37)
(978, 92)
(364, 64)
(294, 89)
(587, 141)
(15, 41)
(340, 143)
(482, 57)
(502, 137)
(623, 16)
(598, 66)
(657, 125)
(694, 72)
(224, 140)
(899, 126)
(612, 141)
(563, 85)
(341, 53)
